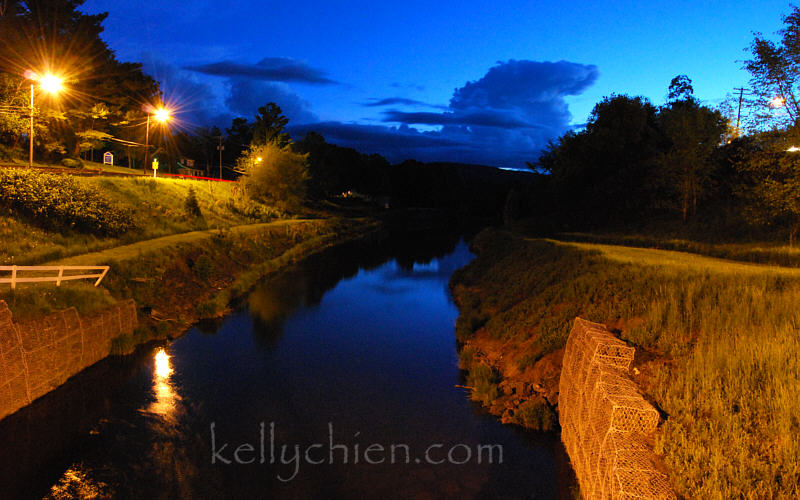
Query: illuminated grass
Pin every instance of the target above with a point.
(158, 210)
(680, 260)
(719, 341)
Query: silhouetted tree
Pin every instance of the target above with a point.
(775, 70)
(694, 132)
(269, 126)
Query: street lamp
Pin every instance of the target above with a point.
(777, 102)
(49, 83)
(162, 115)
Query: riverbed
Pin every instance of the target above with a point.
(337, 378)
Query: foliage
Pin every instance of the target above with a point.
(773, 190)
(102, 96)
(604, 171)
(686, 166)
(536, 414)
(269, 126)
(72, 163)
(774, 70)
(191, 205)
(60, 201)
(275, 175)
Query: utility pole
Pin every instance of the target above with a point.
(220, 148)
(146, 144)
(741, 91)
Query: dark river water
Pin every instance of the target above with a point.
(335, 379)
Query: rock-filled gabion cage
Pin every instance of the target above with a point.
(38, 356)
(605, 421)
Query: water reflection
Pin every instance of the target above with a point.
(361, 336)
(167, 400)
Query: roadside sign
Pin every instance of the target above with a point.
(108, 158)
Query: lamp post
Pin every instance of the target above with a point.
(161, 115)
(51, 84)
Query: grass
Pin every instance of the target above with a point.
(718, 346)
(30, 301)
(764, 252)
(159, 210)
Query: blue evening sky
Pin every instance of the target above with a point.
(473, 81)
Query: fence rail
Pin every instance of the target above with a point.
(16, 270)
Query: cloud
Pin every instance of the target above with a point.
(504, 118)
(488, 118)
(393, 101)
(245, 96)
(273, 69)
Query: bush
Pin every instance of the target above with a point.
(276, 175)
(58, 200)
(72, 163)
(191, 205)
(536, 414)
(203, 267)
(6, 153)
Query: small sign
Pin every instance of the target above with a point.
(108, 158)
(155, 163)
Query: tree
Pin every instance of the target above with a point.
(774, 70)
(605, 170)
(680, 89)
(238, 139)
(269, 126)
(772, 176)
(275, 175)
(686, 165)
(693, 132)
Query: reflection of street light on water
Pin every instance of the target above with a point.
(50, 84)
(167, 399)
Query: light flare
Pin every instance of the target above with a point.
(51, 83)
(777, 102)
(162, 115)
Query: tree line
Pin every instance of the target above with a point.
(683, 165)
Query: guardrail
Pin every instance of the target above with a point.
(16, 270)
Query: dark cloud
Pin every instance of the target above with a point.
(489, 118)
(404, 142)
(394, 101)
(245, 96)
(273, 69)
(505, 118)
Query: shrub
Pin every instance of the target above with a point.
(203, 267)
(58, 200)
(72, 163)
(191, 205)
(484, 381)
(276, 175)
(536, 414)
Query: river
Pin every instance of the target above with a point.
(337, 378)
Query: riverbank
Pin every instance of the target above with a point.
(175, 281)
(716, 349)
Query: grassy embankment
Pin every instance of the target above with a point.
(717, 347)
(182, 263)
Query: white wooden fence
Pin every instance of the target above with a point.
(16, 270)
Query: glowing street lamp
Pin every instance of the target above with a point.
(777, 102)
(162, 115)
(49, 83)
